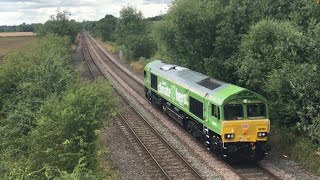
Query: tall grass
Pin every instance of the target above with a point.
(298, 148)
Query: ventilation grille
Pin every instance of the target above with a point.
(209, 83)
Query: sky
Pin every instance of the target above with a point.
(15, 12)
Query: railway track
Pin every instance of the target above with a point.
(134, 82)
(246, 171)
(168, 161)
(89, 62)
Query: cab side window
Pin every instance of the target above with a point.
(215, 111)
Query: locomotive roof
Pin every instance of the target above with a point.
(201, 84)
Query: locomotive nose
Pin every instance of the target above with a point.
(246, 131)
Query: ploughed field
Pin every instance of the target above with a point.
(11, 41)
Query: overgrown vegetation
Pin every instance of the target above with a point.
(60, 25)
(297, 147)
(267, 46)
(49, 117)
(131, 32)
(271, 47)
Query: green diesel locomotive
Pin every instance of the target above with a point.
(230, 120)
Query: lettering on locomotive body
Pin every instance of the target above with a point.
(181, 98)
(164, 89)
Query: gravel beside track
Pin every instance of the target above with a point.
(78, 58)
(253, 171)
(286, 169)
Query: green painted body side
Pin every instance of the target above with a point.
(178, 93)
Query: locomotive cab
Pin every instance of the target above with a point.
(246, 122)
(245, 127)
(243, 121)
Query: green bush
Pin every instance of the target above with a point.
(267, 46)
(61, 26)
(132, 36)
(67, 125)
(27, 78)
(106, 27)
(296, 88)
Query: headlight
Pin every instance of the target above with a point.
(262, 134)
(229, 136)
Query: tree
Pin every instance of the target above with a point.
(60, 25)
(208, 32)
(105, 27)
(295, 91)
(131, 34)
(25, 28)
(266, 47)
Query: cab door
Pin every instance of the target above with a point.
(206, 110)
(215, 118)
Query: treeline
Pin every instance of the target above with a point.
(61, 25)
(49, 117)
(271, 47)
(131, 32)
(20, 28)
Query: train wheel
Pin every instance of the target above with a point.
(185, 123)
(149, 96)
(164, 108)
(146, 93)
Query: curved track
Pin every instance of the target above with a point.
(169, 162)
(246, 171)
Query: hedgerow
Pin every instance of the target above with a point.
(49, 117)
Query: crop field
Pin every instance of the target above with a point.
(16, 34)
(10, 43)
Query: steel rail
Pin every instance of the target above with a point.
(86, 60)
(148, 124)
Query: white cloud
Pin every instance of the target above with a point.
(15, 12)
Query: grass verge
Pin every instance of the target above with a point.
(110, 46)
(299, 149)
